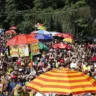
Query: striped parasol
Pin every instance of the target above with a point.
(63, 81)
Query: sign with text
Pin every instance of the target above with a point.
(23, 50)
(35, 48)
(14, 51)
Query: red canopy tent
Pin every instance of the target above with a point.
(62, 46)
(21, 39)
(64, 35)
(67, 36)
(59, 35)
(32, 34)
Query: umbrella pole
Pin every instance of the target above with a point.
(30, 57)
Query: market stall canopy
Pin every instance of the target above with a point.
(62, 46)
(33, 34)
(44, 37)
(10, 32)
(13, 28)
(59, 35)
(67, 36)
(64, 35)
(21, 39)
(63, 81)
(53, 33)
(43, 32)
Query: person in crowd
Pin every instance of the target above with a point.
(16, 72)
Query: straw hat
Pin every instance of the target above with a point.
(18, 88)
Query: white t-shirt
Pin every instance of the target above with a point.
(50, 94)
(73, 65)
(38, 94)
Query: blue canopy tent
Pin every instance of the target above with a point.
(43, 32)
(44, 37)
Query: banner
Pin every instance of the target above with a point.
(35, 48)
(23, 50)
(14, 51)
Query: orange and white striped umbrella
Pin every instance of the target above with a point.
(63, 81)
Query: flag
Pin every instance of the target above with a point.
(41, 27)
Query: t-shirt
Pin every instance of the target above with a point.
(9, 70)
(12, 85)
(86, 68)
(73, 65)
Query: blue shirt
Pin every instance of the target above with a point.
(12, 85)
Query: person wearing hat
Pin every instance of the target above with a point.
(28, 91)
(13, 83)
(18, 91)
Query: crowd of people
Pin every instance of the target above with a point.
(16, 72)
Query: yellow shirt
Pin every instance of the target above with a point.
(9, 70)
(86, 68)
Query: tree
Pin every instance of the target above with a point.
(44, 4)
(73, 16)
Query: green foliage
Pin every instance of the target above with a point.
(44, 4)
(73, 16)
(79, 4)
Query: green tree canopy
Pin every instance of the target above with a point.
(73, 16)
